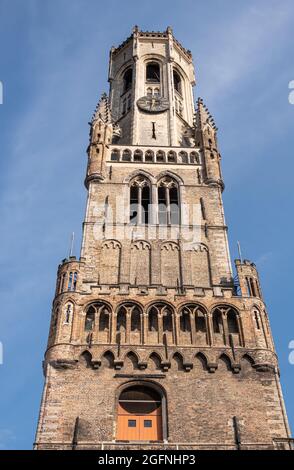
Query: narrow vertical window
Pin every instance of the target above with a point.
(168, 202)
(140, 200)
(75, 279)
(127, 80)
(177, 82)
(70, 281)
(67, 313)
(90, 318)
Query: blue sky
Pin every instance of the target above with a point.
(54, 62)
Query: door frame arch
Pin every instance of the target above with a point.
(149, 384)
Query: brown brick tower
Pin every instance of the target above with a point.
(152, 342)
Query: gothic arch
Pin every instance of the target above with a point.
(136, 173)
(170, 174)
(154, 361)
(85, 359)
(201, 357)
(177, 360)
(110, 261)
(140, 265)
(197, 262)
(131, 360)
(107, 359)
(170, 264)
(226, 360)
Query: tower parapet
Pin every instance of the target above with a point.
(248, 278)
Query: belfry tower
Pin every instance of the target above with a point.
(153, 343)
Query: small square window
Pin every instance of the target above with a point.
(131, 423)
(147, 423)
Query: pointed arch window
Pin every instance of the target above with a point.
(177, 82)
(104, 319)
(168, 202)
(68, 313)
(140, 200)
(167, 321)
(135, 319)
(153, 320)
(217, 321)
(232, 322)
(90, 319)
(127, 80)
(153, 72)
(185, 325)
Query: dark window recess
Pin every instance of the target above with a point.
(174, 206)
(128, 79)
(134, 201)
(177, 82)
(162, 209)
(153, 72)
(147, 423)
(145, 204)
(132, 423)
(200, 323)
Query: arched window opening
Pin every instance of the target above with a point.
(183, 157)
(68, 313)
(126, 156)
(200, 322)
(162, 206)
(127, 80)
(256, 317)
(185, 325)
(138, 156)
(153, 320)
(177, 82)
(252, 286)
(121, 325)
(62, 284)
(149, 156)
(153, 72)
(140, 200)
(194, 157)
(168, 202)
(167, 321)
(104, 320)
(115, 154)
(139, 414)
(70, 281)
(149, 92)
(134, 201)
(171, 156)
(156, 92)
(232, 322)
(135, 320)
(90, 319)
(174, 206)
(75, 280)
(217, 322)
(160, 156)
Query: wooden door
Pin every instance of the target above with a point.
(139, 428)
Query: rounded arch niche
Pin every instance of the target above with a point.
(141, 412)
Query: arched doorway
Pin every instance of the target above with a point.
(139, 415)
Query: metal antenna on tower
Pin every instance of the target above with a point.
(72, 244)
(240, 253)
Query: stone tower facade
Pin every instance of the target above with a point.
(153, 343)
